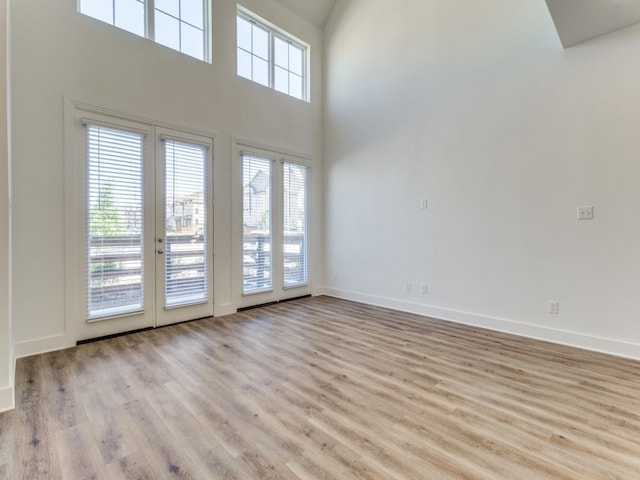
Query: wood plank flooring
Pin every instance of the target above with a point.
(322, 388)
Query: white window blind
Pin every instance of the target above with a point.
(294, 252)
(115, 275)
(256, 222)
(186, 252)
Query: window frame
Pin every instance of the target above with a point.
(99, 136)
(279, 290)
(149, 26)
(304, 244)
(274, 33)
(267, 257)
(76, 116)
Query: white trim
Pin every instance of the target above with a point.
(562, 337)
(269, 151)
(75, 114)
(7, 399)
(190, 139)
(264, 23)
(43, 345)
(274, 32)
(266, 154)
(239, 148)
(164, 314)
(149, 32)
(115, 126)
(89, 108)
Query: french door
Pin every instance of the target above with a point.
(147, 206)
(274, 228)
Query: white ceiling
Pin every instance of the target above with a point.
(580, 20)
(315, 11)
(575, 20)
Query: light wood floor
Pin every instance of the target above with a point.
(323, 389)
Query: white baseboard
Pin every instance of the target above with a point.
(318, 291)
(563, 337)
(43, 345)
(7, 399)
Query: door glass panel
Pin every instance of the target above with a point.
(294, 251)
(185, 243)
(256, 222)
(115, 222)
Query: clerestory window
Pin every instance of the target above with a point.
(270, 56)
(178, 24)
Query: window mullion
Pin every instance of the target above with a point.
(272, 62)
(270, 46)
(143, 19)
(150, 23)
(150, 19)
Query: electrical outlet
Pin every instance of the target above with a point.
(425, 288)
(553, 307)
(407, 287)
(585, 212)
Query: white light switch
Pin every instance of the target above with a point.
(424, 204)
(585, 213)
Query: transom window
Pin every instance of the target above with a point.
(178, 24)
(271, 57)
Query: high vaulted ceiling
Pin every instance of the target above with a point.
(316, 11)
(575, 20)
(580, 20)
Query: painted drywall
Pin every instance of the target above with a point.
(6, 345)
(580, 20)
(476, 107)
(59, 53)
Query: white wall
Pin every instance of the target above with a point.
(6, 345)
(59, 53)
(476, 107)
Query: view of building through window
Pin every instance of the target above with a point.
(115, 241)
(260, 248)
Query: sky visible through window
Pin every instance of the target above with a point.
(270, 58)
(126, 14)
(177, 24)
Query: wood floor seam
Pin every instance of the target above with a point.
(323, 388)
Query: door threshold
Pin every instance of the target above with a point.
(275, 302)
(131, 332)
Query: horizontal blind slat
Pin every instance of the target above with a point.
(115, 244)
(256, 219)
(294, 248)
(186, 264)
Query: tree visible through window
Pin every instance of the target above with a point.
(115, 218)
